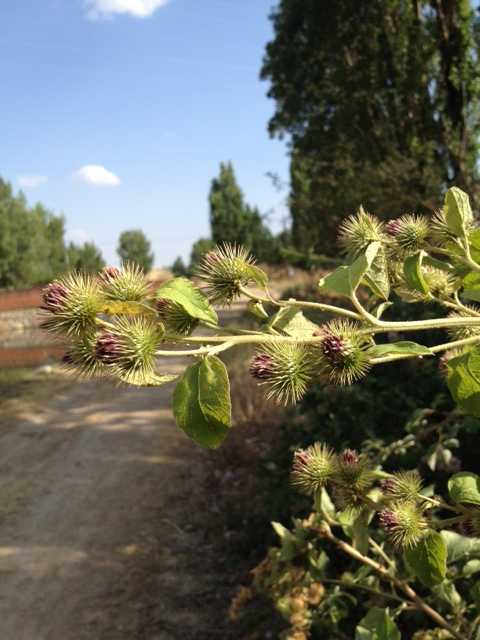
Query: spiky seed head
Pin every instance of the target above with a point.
(358, 231)
(129, 349)
(404, 523)
(342, 354)
(262, 367)
(80, 357)
(353, 472)
(440, 283)
(440, 231)
(458, 333)
(410, 233)
(125, 284)
(72, 304)
(174, 317)
(312, 468)
(403, 486)
(224, 270)
(292, 368)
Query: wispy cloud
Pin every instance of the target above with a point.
(98, 9)
(30, 182)
(97, 175)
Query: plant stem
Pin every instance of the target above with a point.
(326, 532)
(355, 585)
(328, 308)
(195, 352)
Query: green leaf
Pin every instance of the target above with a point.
(194, 303)
(377, 278)
(460, 547)
(345, 279)
(256, 274)
(292, 322)
(360, 533)
(214, 392)
(377, 625)
(142, 379)
(464, 488)
(412, 269)
(471, 567)
(201, 403)
(404, 347)
(458, 212)
(471, 286)
(447, 591)
(464, 381)
(428, 559)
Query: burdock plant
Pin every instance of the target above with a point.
(137, 325)
(117, 325)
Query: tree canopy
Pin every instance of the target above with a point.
(133, 246)
(380, 103)
(32, 249)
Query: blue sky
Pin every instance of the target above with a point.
(117, 113)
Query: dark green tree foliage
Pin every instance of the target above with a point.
(86, 257)
(32, 249)
(178, 267)
(199, 249)
(380, 101)
(133, 246)
(233, 220)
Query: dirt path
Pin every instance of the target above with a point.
(97, 540)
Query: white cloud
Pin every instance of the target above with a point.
(30, 182)
(97, 175)
(98, 9)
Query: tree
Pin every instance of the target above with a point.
(379, 100)
(228, 219)
(199, 249)
(32, 249)
(133, 246)
(233, 220)
(178, 267)
(86, 257)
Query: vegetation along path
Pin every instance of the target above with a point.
(101, 508)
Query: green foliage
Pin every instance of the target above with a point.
(32, 249)
(178, 267)
(134, 247)
(199, 249)
(193, 302)
(201, 402)
(86, 257)
(387, 118)
(464, 488)
(428, 559)
(377, 625)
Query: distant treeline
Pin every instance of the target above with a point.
(33, 250)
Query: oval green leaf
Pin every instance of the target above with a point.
(403, 347)
(464, 488)
(428, 559)
(190, 298)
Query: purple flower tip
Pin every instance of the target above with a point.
(108, 348)
(333, 348)
(388, 519)
(261, 367)
(349, 457)
(388, 485)
(54, 297)
(393, 227)
(110, 273)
